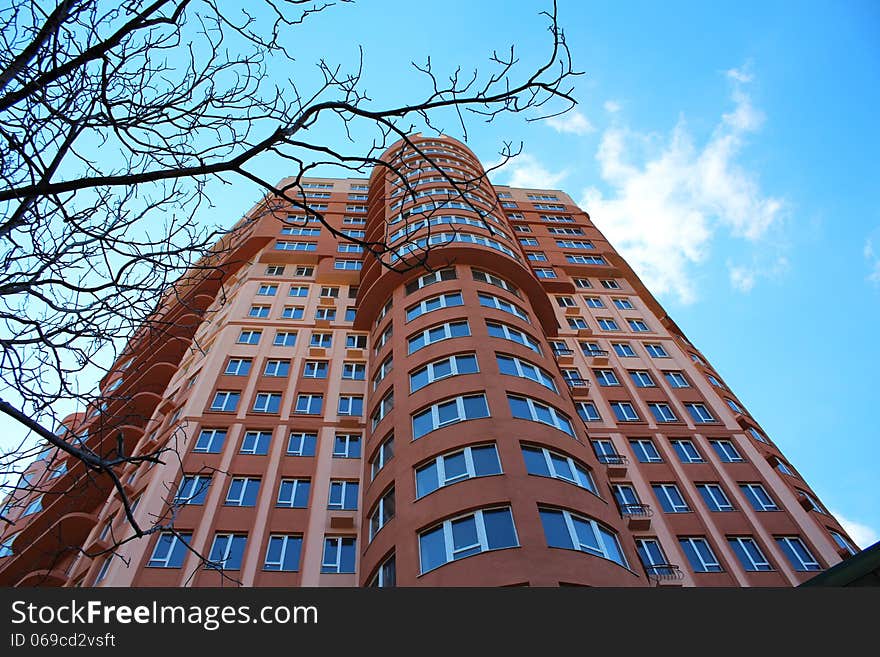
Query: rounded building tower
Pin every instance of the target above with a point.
(478, 471)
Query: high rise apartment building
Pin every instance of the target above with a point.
(518, 411)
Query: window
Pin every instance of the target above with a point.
(490, 301)
(298, 291)
(582, 282)
(329, 292)
(726, 451)
(670, 498)
(238, 367)
(259, 311)
(553, 230)
(309, 404)
(605, 451)
(34, 507)
(700, 413)
(355, 341)
(350, 265)
(386, 575)
(687, 452)
(225, 400)
(758, 497)
(282, 553)
(545, 272)
(350, 314)
(607, 324)
(347, 446)
(302, 270)
(714, 497)
(715, 382)
(610, 284)
(382, 456)
(210, 441)
(653, 558)
(528, 241)
(676, 379)
(382, 513)
(627, 499)
(315, 369)
(274, 270)
(249, 337)
(267, 290)
(513, 366)
(170, 550)
(349, 248)
(812, 501)
(243, 491)
(505, 332)
(797, 553)
(574, 244)
(645, 450)
(343, 495)
(637, 325)
(578, 259)
(623, 304)
(256, 442)
(354, 371)
(430, 279)
(842, 542)
(587, 411)
(594, 302)
(733, 406)
(566, 530)
(302, 444)
(322, 340)
(437, 333)
(526, 408)
(566, 302)
(662, 412)
(757, 435)
(435, 303)
(656, 350)
(285, 339)
(464, 536)
(192, 489)
(441, 369)
(623, 349)
(325, 314)
(294, 493)
(700, 555)
(577, 323)
(227, 551)
(278, 368)
(452, 467)
(350, 405)
(382, 371)
(624, 412)
(281, 245)
(542, 462)
(449, 411)
(267, 402)
(606, 377)
(782, 467)
(642, 379)
(749, 553)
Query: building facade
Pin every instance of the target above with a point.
(500, 401)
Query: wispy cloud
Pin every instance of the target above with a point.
(670, 196)
(611, 106)
(873, 259)
(524, 170)
(863, 535)
(571, 122)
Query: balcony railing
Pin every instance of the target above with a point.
(562, 352)
(590, 353)
(664, 572)
(612, 459)
(641, 510)
(576, 382)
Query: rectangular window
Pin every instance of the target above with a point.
(339, 554)
(623, 304)
(193, 489)
(662, 412)
(354, 371)
(343, 496)
(588, 412)
(325, 314)
(225, 400)
(350, 405)
(238, 367)
(285, 339)
(256, 442)
(267, 402)
(170, 550)
(676, 379)
(210, 441)
(623, 349)
(700, 555)
(382, 456)
(569, 531)
(656, 351)
(577, 323)
(749, 553)
(382, 513)
(758, 497)
(227, 552)
(283, 552)
(267, 290)
(347, 446)
(278, 368)
(607, 324)
(249, 337)
(274, 270)
(322, 340)
(302, 444)
(726, 451)
(670, 498)
(645, 450)
(606, 377)
(243, 491)
(797, 553)
(315, 369)
(699, 413)
(687, 452)
(309, 404)
(642, 379)
(294, 493)
(610, 284)
(582, 282)
(714, 497)
(348, 265)
(624, 412)
(298, 291)
(350, 314)
(259, 311)
(355, 341)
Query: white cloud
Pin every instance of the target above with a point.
(525, 171)
(863, 535)
(873, 259)
(741, 75)
(571, 122)
(612, 106)
(670, 197)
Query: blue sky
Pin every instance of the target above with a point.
(728, 150)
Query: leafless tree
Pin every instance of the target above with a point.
(115, 117)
